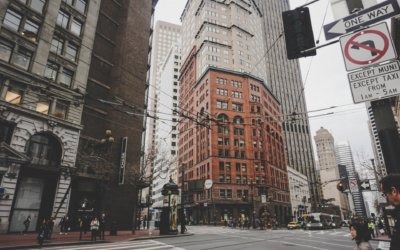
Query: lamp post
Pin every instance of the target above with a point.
(182, 217)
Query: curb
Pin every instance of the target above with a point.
(74, 243)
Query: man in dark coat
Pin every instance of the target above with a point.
(390, 188)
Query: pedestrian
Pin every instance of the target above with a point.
(81, 225)
(390, 188)
(102, 226)
(49, 228)
(371, 228)
(94, 227)
(26, 223)
(144, 222)
(361, 234)
(42, 233)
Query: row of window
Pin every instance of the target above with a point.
(15, 54)
(224, 81)
(14, 94)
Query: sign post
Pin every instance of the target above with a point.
(361, 19)
(366, 47)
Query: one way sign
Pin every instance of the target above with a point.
(362, 18)
(365, 186)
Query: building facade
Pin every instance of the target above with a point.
(284, 80)
(109, 173)
(231, 132)
(344, 157)
(45, 52)
(299, 194)
(166, 135)
(329, 171)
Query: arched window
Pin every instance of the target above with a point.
(222, 118)
(238, 120)
(44, 150)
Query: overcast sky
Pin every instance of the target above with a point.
(326, 83)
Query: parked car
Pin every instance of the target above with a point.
(294, 225)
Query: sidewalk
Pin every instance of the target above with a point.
(20, 241)
(381, 238)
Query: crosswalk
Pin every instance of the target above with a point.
(232, 231)
(132, 245)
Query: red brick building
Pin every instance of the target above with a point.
(230, 132)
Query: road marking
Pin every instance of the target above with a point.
(142, 245)
(296, 244)
(318, 241)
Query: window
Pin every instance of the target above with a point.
(222, 193)
(222, 105)
(66, 77)
(60, 110)
(12, 20)
(63, 19)
(22, 58)
(38, 5)
(44, 150)
(221, 166)
(221, 178)
(14, 94)
(76, 27)
(51, 71)
(43, 107)
(229, 193)
(237, 107)
(238, 120)
(80, 5)
(57, 45)
(6, 132)
(31, 28)
(5, 51)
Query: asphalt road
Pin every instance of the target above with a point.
(227, 238)
(221, 238)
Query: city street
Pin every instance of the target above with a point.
(209, 237)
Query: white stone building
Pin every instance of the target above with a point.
(299, 193)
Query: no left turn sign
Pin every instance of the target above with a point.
(366, 47)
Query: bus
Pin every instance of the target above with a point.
(317, 221)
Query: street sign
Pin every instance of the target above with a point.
(208, 184)
(375, 83)
(361, 19)
(368, 46)
(365, 186)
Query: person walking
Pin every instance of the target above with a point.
(42, 233)
(49, 228)
(371, 228)
(26, 223)
(360, 233)
(94, 227)
(390, 188)
(102, 226)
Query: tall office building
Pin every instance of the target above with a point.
(230, 130)
(165, 36)
(284, 80)
(344, 157)
(166, 135)
(329, 171)
(45, 50)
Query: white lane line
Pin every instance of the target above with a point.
(322, 242)
(109, 245)
(296, 244)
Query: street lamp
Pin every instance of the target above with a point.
(253, 219)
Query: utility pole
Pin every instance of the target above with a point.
(182, 199)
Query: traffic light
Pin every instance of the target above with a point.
(341, 186)
(298, 33)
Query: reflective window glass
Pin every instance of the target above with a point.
(31, 27)
(71, 51)
(43, 107)
(66, 77)
(80, 5)
(38, 5)
(22, 58)
(76, 27)
(51, 71)
(60, 109)
(12, 20)
(57, 45)
(5, 51)
(62, 19)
